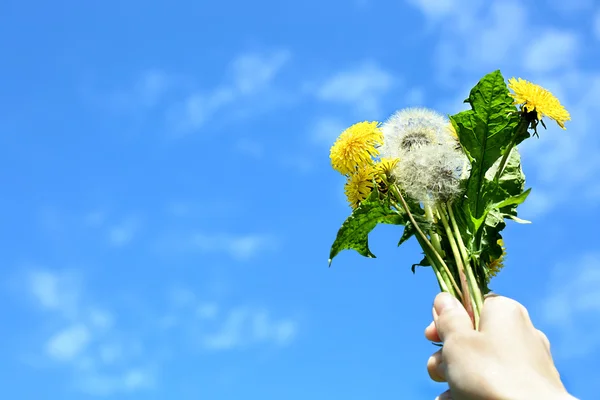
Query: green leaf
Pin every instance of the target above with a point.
(354, 233)
(409, 231)
(485, 133)
(512, 179)
(424, 263)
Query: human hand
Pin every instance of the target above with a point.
(507, 359)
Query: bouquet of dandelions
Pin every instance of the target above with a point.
(450, 183)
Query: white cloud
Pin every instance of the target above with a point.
(574, 6)
(250, 148)
(241, 247)
(197, 109)
(100, 319)
(459, 51)
(361, 86)
(107, 384)
(245, 327)
(147, 92)
(253, 72)
(123, 233)
(435, 9)
(250, 74)
(560, 158)
(103, 361)
(572, 306)
(552, 50)
(54, 291)
(68, 343)
(596, 25)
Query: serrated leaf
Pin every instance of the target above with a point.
(409, 231)
(485, 132)
(354, 233)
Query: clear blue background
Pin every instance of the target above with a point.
(167, 203)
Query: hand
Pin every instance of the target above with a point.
(508, 358)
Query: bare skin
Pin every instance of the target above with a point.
(507, 359)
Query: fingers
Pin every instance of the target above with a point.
(435, 367)
(450, 316)
(445, 396)
(544, 339)
(501, 314)
(431, 333)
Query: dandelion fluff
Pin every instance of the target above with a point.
(412, 128)
(434, 173)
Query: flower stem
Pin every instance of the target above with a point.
(435, 238)
(474, 286)
(476, 290)
(468, 299)
(445, 286)
(426, 241)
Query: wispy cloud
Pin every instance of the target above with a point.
(551, 58)
(249, 74)
(69, 343)
(572, 306)
(214, 326)
(124, 232)
(552, 50)
(435, 9)
(147, 91)
(596, 25)
(55, 292)
(253, 72)
(251, 148)
(244, 327)
(361, 87)
(89, 343)
(241, 247)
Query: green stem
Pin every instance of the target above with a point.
(445, 286)
(435, 238)
(468, 299)
(475, 288)
(520, 131)
(428, 244)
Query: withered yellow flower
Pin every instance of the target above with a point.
(359, 185)
(496, 265)
(386, 165)
(535, 98)
(356, 147)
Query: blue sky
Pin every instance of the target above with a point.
(168, 204)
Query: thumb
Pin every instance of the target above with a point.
(450, 316)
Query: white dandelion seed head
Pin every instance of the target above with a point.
(412, 128)
(433, 173)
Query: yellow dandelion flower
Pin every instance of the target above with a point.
(356, 147)
(359, 185)
(386, 165)
(496, 265)
(535, 98)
